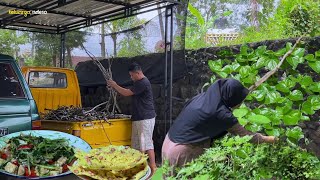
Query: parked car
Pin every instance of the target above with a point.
(18, 110)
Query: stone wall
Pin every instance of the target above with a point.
(192, 82)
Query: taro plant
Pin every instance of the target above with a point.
(285, 99)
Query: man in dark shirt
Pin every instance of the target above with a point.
(143, 112)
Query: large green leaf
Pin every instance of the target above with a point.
(273, 97)
(227, 69)
(244, 50)
(259, 119)
(245, 71)
(239, 113)
(262, 61)
(296, 95)
(288, 46)
(235, 66)
(315, 66)
(285, 85)
(251, 79)
(294, 63)
(295, 133)
(305, 81)
(273, 132)
(259, 94)
(215, 65)
(315, 101)
(317, 54)
(261, 50)
(242, 121)
(315, 87)
(222, 74)
(253, 127)
(310, 57)
(299, 52)
(291, 119)
(287, 107)
(195, 12)
(272, 64)
(307, 108)
(280, 52)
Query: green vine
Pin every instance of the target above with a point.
(284, 100)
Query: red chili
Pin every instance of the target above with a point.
(26, 171)
(28, 146)
(65, 168)
(50, 162)
(4, 156)
(15, 162)
(30, 174)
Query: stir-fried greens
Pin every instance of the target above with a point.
(32, 156)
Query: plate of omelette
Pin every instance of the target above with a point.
(111, 162)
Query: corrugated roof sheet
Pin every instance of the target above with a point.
(58, 16)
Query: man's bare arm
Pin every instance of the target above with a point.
(257, 138)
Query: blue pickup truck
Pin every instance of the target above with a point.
(18, 110)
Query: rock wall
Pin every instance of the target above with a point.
(191, 84)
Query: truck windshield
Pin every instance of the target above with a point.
(39, 79)
(9, 82)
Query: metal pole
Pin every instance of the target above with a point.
(62, 50)
(171, 63)
(166, 69)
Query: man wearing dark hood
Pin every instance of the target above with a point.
(207, 116)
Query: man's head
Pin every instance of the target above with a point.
(135, 72)
(233, 92)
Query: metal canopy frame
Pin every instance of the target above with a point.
(68, 15)
(77, 14)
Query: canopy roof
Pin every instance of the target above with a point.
(60, 16)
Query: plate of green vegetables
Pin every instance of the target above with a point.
(39, 154)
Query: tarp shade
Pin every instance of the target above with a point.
(153, 66)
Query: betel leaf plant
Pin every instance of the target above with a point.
(285, 99)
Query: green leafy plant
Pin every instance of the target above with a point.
(281, 101)
(237, 158)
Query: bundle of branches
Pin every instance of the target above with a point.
(75, 114)
(107, 74)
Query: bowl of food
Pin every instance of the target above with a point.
(39, 154)
(111, 162)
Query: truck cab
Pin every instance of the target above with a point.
(52, 87)
(18, 110)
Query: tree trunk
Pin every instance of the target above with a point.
(69, 56)
(32, 45)
(161, 22)
(103, 45)
(254, 14)
(182, 10)
(114, 39)
(54, 60)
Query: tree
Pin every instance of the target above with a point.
(10, 41)
(132, 43)
(47, 47)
